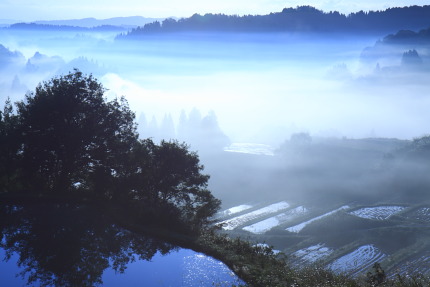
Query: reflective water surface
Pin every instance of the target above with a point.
(64, 245)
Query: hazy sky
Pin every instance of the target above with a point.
(30, 10)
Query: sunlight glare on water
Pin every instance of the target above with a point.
(202, 270)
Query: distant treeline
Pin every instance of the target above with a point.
(413, 45)
(300, 19)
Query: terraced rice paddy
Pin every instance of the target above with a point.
(234, 210)
(378, 212)
(419, 265)
(237, 221)
(297, 228)
(311, 254)
(357, 261)
(267, 224)
(421, 214)
(250, 148)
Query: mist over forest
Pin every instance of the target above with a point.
(318, 109)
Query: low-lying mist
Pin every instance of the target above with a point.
(212, 90)
(263, 91)
(262, 87)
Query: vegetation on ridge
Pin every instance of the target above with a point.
(300, 19)
(259, 265)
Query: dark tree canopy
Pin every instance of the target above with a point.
(69, 133)
(67, 141)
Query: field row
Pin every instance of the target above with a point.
(237, 221)
(258, 220)
(282, 214)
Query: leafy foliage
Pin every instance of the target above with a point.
(8, 147)
(69, 133)
(67, 141)
(378, 277)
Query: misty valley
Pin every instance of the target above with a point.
(343, 203)
(316, 141)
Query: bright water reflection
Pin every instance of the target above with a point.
(63, 245)
(184, 268)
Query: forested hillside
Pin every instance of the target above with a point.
(300, 19)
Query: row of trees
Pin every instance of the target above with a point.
(302, 18)
(67, 141)
(201, 132)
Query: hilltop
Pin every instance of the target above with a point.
(300, 19)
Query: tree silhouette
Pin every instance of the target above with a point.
(68, 142)
(411, 59)
(70, 134)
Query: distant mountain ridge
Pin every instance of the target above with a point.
(125, 22)
(300, 19)
(62, 28)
